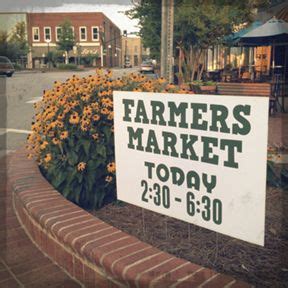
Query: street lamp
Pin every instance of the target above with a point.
(110, 55)
(48, 51)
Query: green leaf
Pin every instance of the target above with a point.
(86, 146)
(72, 157)
(101, 150)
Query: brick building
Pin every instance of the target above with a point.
(96, 37)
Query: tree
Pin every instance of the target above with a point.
(15, 45)
(198, 25)
(19, 41)
(66, 39)
(149, 16)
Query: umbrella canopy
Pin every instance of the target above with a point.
(233, 39)
(273, 31)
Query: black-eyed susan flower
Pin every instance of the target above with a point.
(48, 158)
(81, 166)
(74, 118)
(111, 167)
(64, 135)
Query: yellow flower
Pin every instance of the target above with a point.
(111, 167)
(64, 135)
(81, 166)
(43, 145)
(48, 157)
(74, 118)
(55, 141)
(29, 156)
(104, 111)
(96, 117)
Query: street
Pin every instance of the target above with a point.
(23, 89)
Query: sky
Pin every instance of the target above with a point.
(113, 9)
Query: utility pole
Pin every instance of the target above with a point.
(167, 27)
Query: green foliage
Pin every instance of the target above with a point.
(198, 25)
(73, 134)
(277, 176)
(149, 16)
(68, 66)
(15, 45)
(66, 37)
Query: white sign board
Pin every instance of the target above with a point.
(198, 158)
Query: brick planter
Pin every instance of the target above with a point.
(93, 252)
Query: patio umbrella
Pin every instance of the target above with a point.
(272, 32)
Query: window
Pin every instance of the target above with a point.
(47, 33)
(58, 31)
(95, 33)
(36, 34)
(83, 33)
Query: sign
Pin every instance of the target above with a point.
(198, 158)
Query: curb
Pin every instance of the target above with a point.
(88, 249)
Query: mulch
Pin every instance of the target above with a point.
(261, 266)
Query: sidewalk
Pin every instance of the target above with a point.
(21, 263)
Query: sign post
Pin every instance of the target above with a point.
(198, 158)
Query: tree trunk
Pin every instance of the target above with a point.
(66, 57)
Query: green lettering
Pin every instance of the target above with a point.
(210, 185)
(178, 111)
(198, 109)
(149, 165)
(231, 146)
(162, 168)
(193, 180)
(157, 112)
(170, 141)
(219, 115)
(188, 145)
(245, 127)
(136, 135)
(178, 176)
(208, 150)
(141, 115)
(127, 103)
(152, 143)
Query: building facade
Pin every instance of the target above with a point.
(97, 38)
(133, 52)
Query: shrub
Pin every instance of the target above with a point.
(68, 67)
(72, 136)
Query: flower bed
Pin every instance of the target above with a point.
(73, 134)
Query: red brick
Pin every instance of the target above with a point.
(101, 281)
(106, 260)
(63, 229)
(197, 279)
(114, 236)
(218, 281)
(78, 271)
(64, 259)
(68, 222)
(160, 272)
(78, 238)
(119, 264)
(98, 253)
(131, 273)
(89, 277)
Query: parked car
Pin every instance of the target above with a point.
(6, 67)
(147, 67)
